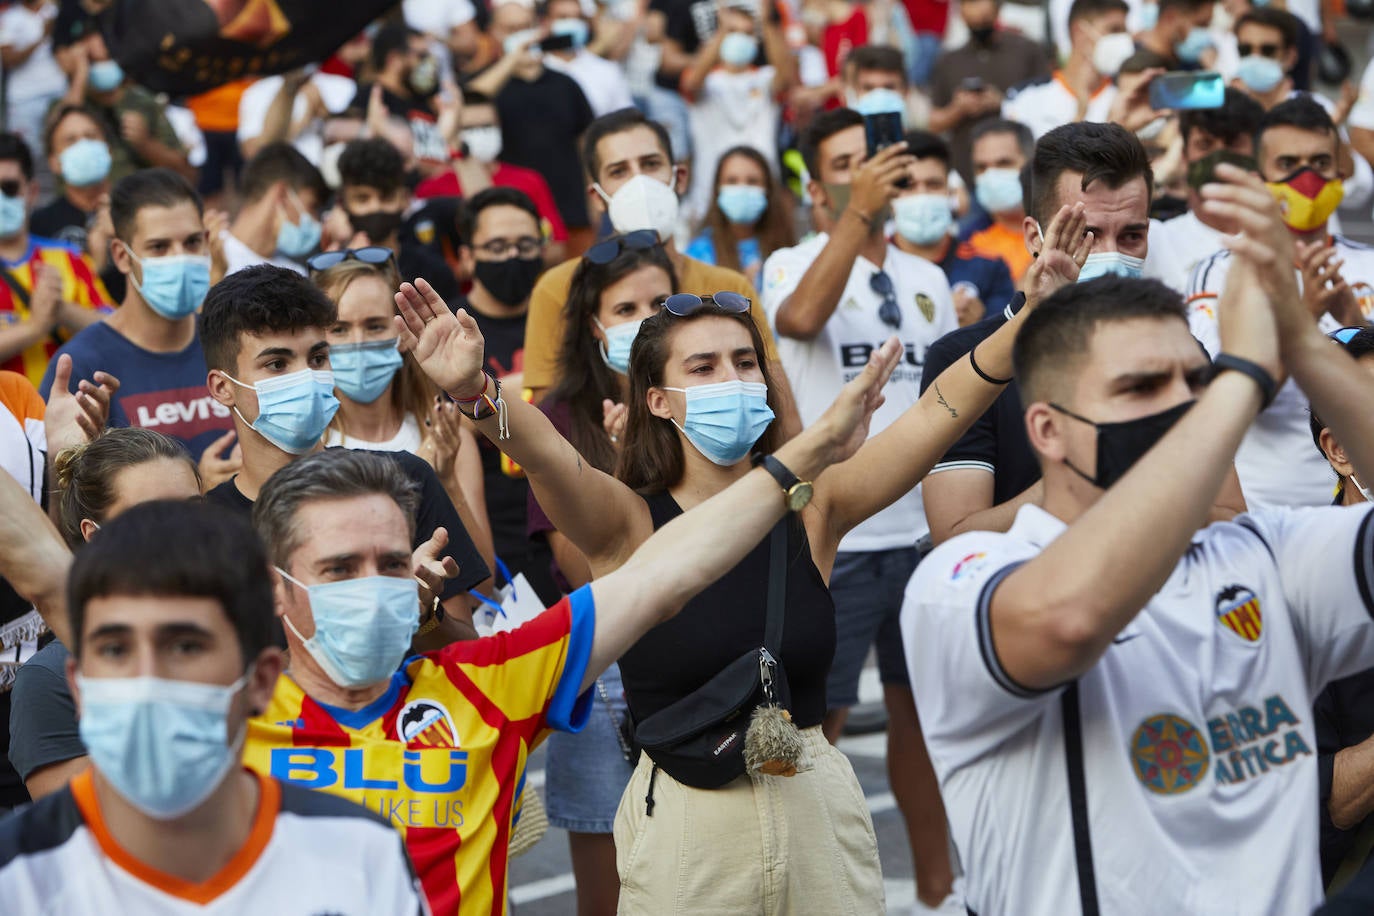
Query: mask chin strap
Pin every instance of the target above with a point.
(1081, 419)
(1368, 496)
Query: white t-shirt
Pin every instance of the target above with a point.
(239, 256)
(335, 91)
(732, 109)
(819, 368)
(407, 438)
(1277, 462)
(437, 17)
(1362, 112)
(601, 81)
(39, 76)
(1176, 247)
(1198, 749)
(1045, 105)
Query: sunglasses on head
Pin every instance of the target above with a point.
(684, 305)
(11, 187)
(888, 312)
(606, 251)
(372, 254)
(1265, 50)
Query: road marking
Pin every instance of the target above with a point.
(546, 887)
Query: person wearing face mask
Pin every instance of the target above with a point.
(409, 79)
(79, 154)
(601, 81)
(166, 820)
(1001, 150)
(924, 226)
(1297, 149)
(1082, 89)
(33, 78)
(968, 83)
(479, 166)
(265, 331)
(278, 221)
(750, 213)
(151, 342)
(870, 68)
(1210, 136)
(1181, 34)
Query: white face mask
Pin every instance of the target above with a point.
(1368, 496)
(642, 203)
(1111, 51)
(483, 143)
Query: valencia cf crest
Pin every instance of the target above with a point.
(425, 723)
(926, 305)
(1238, 610)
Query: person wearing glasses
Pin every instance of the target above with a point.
(618, 284)
(833, 299)
(701, 400)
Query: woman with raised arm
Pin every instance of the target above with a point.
(699, 404)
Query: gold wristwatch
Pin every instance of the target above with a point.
(796, 492)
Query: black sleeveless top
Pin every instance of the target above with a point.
(726, 620)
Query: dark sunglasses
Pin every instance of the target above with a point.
(605, 252)
(685, 305)
(372, 254)
(889, 312)
(1266, 50)
(10, 187)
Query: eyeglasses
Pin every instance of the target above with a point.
(11, 187)
(685, 305)
(372, 254)
(890, 313)
(605, 252)
(527, 247)
(1265, 50)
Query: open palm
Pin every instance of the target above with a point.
(1066, 245)
(849, 416)
(448, 347)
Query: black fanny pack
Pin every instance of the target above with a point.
(699, 740)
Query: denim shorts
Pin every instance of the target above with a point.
(586, 773)
(867, 588)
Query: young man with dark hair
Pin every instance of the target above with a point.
(374, 198)
(1181, 34)
(47, 290)
(1000, 152)
(924, 221)
(407, 79)
(169, 610)
(151, 342)
(833, 299)
(264, 331)
(1297, 149)
(279, 217)
(1082, 89)
(1267, 43)
(1104, 672)
(1210, 136)
(79, 152)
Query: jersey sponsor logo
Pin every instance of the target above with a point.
(423, 796)
(1249, 741)
(968, 566)
(182, 413)
(926, 305)
(1168, 754)
(425, 723)
(1238, 610)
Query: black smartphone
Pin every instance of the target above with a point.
(881, 131)
(556, 43)
(1185, 90)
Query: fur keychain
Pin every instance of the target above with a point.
(772, 745)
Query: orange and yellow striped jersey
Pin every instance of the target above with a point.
(442, 753)
(80, 285)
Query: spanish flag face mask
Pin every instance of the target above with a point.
(1306, 199)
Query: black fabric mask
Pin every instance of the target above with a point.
(1121, 445)
(510, 281)
(378, 226)
(1204, 170)
(982, 35)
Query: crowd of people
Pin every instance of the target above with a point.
(628, 377)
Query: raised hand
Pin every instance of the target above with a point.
(875, 183)
(46, 298)
(443, 439)
(76, 418)
(1324, 289)
(1065, 246)
(613, 417)
(430, 570)
(215, 470)
(845, 423)
(216, 225)
(448, 347)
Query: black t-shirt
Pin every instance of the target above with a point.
(997, 440)
(435, 509)
(507, 494)
(541, 122)
(727, 620)
(66, 222)
(1343, 716)
(419, 113)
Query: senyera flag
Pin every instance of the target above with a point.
(185, 47)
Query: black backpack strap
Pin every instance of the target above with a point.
(15, 286)
(777, 588)
(1078, 800)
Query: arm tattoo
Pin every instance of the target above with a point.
(943, 403)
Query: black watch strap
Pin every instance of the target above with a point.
(1257, 373)
(781, 473)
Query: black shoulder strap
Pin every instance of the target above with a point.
(777, 588)
(1078, 800)
(15, 286)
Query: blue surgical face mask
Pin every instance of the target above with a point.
(363, 627)
(363, 371)
(1258, 72)
(1149, 16)
(923, 219)
(1110, 263)
(296, 240)
(998, 190)
(742, 204)
(14, 215)
(175, 285)
(1190, 49)
(738, 49)
(163, 745)
(577, 28)
(105, 75)
(293, 410)
(615, 349)
(725, 419)
(85, 162)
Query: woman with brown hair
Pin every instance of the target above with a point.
(750, 216)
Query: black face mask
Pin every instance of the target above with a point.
(511, 281)
(1121, 445)
(378, 226)
(982, 35)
